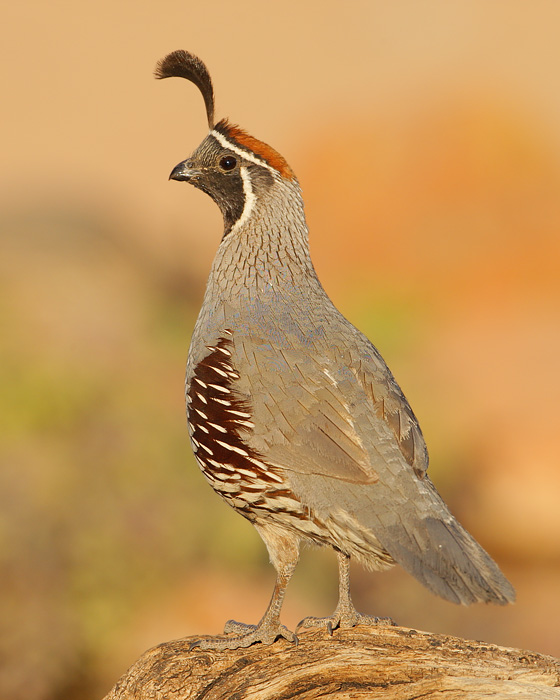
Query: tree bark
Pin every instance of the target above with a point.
(363, 662)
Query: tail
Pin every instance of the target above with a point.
(432, 546)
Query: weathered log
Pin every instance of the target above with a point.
(363, 662)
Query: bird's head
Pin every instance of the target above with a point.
(231, 166)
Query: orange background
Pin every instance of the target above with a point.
(426, 138)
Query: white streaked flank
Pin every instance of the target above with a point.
(221, 465)
(218, 427)
(233, 448)
(246, 423)
(241, 414)
(222, 401)
(223, 389)
(218, 371)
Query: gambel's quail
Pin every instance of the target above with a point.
(294, 418)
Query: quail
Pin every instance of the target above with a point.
(294, 418)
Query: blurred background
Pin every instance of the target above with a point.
(426, 137)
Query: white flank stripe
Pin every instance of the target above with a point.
(288, 503)
(263, 466)
(221, 476)
(218, 370)
(240, 413)
(232, 448)
(246, 472)
(260, 464)
(223, 389)
(246, 423)
(219, 465)
(218, 427)
(222, 401)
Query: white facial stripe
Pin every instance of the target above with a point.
(240, 152)
(250, 200)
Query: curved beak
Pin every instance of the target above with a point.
(183, 171)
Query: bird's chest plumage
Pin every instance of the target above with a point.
(267, 400)
(221, 422)
(234, 372)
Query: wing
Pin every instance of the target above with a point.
(343, 429)
(343, 417)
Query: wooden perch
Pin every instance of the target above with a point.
(363, 662)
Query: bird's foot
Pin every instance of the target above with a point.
(343, 619)
(239, 628)
(244, 635)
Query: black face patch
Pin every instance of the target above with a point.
(227, 191)
(224, 185)
(219, 175)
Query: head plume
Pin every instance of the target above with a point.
(182, 64)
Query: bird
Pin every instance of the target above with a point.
(294, 418)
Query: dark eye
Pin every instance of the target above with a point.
(228, 163)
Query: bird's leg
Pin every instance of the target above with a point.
(284, 553)
(269, 628)
(345, 614)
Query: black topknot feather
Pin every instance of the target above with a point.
(182, 64)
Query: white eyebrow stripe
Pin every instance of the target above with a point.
(223, 141)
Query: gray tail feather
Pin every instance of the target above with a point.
(444, 557)
(454, 566)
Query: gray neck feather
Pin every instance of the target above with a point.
(268, 256)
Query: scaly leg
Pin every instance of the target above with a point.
(345, 614)
(284, 553)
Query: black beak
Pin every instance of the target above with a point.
(182, 172)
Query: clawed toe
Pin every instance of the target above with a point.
(343, 621)
(239, 628)
(245, 635)
(371, 620)
(329, 623)
(379, 621)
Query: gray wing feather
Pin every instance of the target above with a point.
(344, 431)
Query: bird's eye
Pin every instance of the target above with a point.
(228, 163)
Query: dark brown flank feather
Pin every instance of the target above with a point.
(219, 417)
